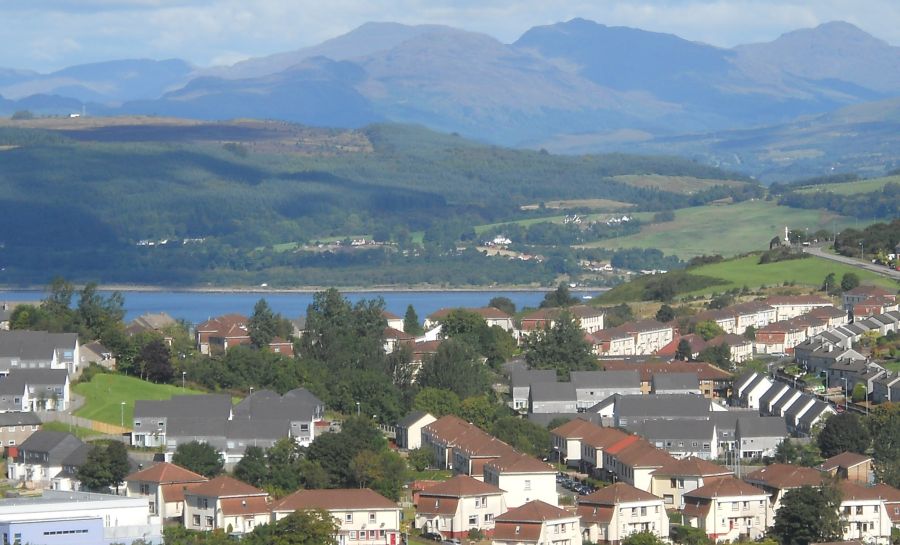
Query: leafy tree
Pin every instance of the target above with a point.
(884, 423)
(478, 410)
(20, 115)
(366, 468)
(750, 333)
(117, 458)
(808, 515)
(155, 361)
(665, 314)
(561, 347)
(688, 535)
(849, 281)
(522, 434)
(344, 336)
(312, 475)
(642, 538)
(283, 461)
(307, 527)
(684, 351)
(718, 355)
(263, 324)
(436, 401)
(252, 468)
(830, 283)
(411, 323)
(335, 451)
(708, 329)
(503, 303)
(96, 472)
(421, 458)
(455, 367)
(560, 297)
(843, 432)
(859, 393)
(199, 457)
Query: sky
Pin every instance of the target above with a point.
(46, 35)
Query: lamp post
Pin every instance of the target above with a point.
(183, 375)
(357, 408)
(844, 380)
(122, 415)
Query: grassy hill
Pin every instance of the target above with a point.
(105, 393)
(853, 188)
(726, 229)
(743, 271)
(99, 187)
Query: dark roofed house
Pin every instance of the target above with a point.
(592, 387)
(42, 459)
(675, 383)
(409, 429)
(521, 380)
(757, 436)
(39, 349)
(16, 427)
(681, 438)
(851, 466)
(634, 409)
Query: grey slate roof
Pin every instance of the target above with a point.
(34, 345)
(662, 406)
(411, 419)
(760, 426)
(553, 391)
(791, 414)
(786, 401)
(526, 377)
(248, 428)
(746, 380)
(812, 413)
(42, 377)
(58, 445)
(19, 419)
(606, 379)
(297, 404)
(544, 419)
(675, 381)
(776, 389)
(197, 406)
(655, 430)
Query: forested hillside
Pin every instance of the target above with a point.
(71, 196)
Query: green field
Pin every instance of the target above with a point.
(852, 188)
(687, 185)
(727, 230)
(77, 431)
(811, 271)
(105, 393)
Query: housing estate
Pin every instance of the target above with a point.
(20, 349)
(163, 485)
(364, 516)
(460, 504)
(48, 459)
(536, 523)
(225, 503)
(613, 513)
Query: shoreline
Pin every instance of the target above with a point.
(132, 288)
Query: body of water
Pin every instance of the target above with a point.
(197, 307)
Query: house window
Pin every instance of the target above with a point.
(348, 518)
(643, 511)
(859, 509)
(669, 499)
(196, 520)
(371, 517)
(209, 521)
(488, 517)
(527, 485)
(145, 489)
(672, 483)
(477, 502)
(352, 534)
(473, 520)
(204, 503)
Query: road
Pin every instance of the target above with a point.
(878, 269)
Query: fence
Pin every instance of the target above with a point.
(72, 420)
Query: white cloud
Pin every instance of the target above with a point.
(204, 32)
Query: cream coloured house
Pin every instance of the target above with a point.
(460, 504)
(611, 514)
(728, 509)
(225, 504)
(364, 516)
(164, 485)
(678, 477)
(523, 479)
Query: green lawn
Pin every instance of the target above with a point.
(77, 431)
(851, 188)
(727, 230)
(809, 272)
(105, 393)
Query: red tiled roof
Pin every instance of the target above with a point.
(516, 462)
(223, 324)
(460, 486)
(388, 315)
(392, 333)
(783, 476)
(870, 291)
(341, 498)
(517, 531)
(534, 511)
(690, 467)
(595, 514)
(725, 487)
(696, 507)
(165, 472)
(575, 429)
(696, 343)
(851, 491)
(617, 493)
(225, 486)
(174, 492)
(604, 437)
(253, 505)
(705, 371)
(845, 460)
(641, 453)
(431, 505)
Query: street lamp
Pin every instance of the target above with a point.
(122, 416)
(844, 380)
(357, 408)
(183, 374)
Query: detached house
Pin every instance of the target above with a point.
(776, 479)
(522, 478)
(611, 514)
(491, 316)
(364, 517)
(39, 350)
(677, 477)
(537, 523)
(48, 459)
(856, 468)
(460, 504)
(224, 503)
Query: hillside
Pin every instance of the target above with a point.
(218, 192)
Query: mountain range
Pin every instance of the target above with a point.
(571, 86)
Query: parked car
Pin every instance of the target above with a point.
(432, 536)
(451, 541)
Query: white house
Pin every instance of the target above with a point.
(227, 504)
(163, 485)
(536, 523)
(409, 429)
(523, 479)
(728, 509)
(611, 514)
(455, 506)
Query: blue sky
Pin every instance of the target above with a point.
(49, 34)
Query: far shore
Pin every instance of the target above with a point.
(305, 289)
